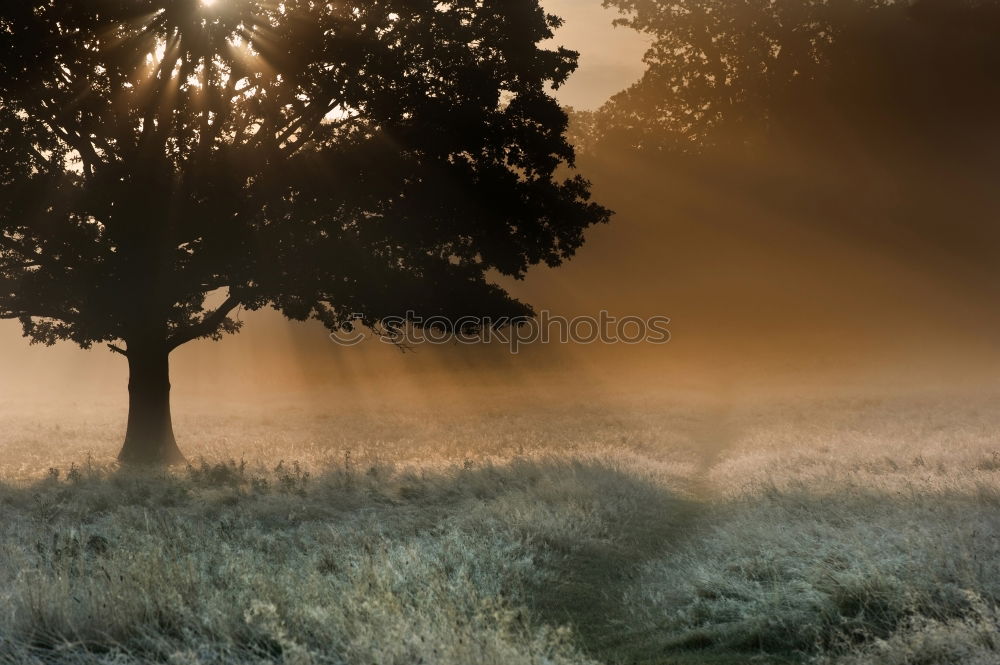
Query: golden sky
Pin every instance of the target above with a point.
(610, 57)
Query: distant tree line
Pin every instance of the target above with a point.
(874, 117)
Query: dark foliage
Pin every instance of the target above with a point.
(748, 71)
(324, 159)
(872, 120)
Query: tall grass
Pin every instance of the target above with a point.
(836, 531)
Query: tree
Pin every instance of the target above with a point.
(327, 160)
(872, 120)
(728, 72)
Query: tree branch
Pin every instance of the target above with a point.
(72, 139)
(308, 123)
(206, 327)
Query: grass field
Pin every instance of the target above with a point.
(837, 530)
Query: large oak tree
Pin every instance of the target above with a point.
(325, 159)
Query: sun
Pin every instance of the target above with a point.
(207, 3)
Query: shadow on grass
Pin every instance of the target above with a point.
(584, 527)
(553, 541)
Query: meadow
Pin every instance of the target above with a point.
(683, 529)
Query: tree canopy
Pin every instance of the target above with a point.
(724, 72)
(324, 159)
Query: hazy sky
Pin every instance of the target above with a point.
(610, 57)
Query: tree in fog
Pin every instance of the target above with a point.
(163, 164)
(874, 120)
(743, 71)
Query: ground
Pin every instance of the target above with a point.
(675, 529)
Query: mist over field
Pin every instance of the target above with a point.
(807, 472)
(677, 528)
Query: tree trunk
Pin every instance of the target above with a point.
(150, 436)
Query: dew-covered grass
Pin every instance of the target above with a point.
(676, 529)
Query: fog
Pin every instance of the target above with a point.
(806, 471)
(759, 296)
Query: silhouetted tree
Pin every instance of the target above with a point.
(323, 159)
(725, 72)
(872, 119)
